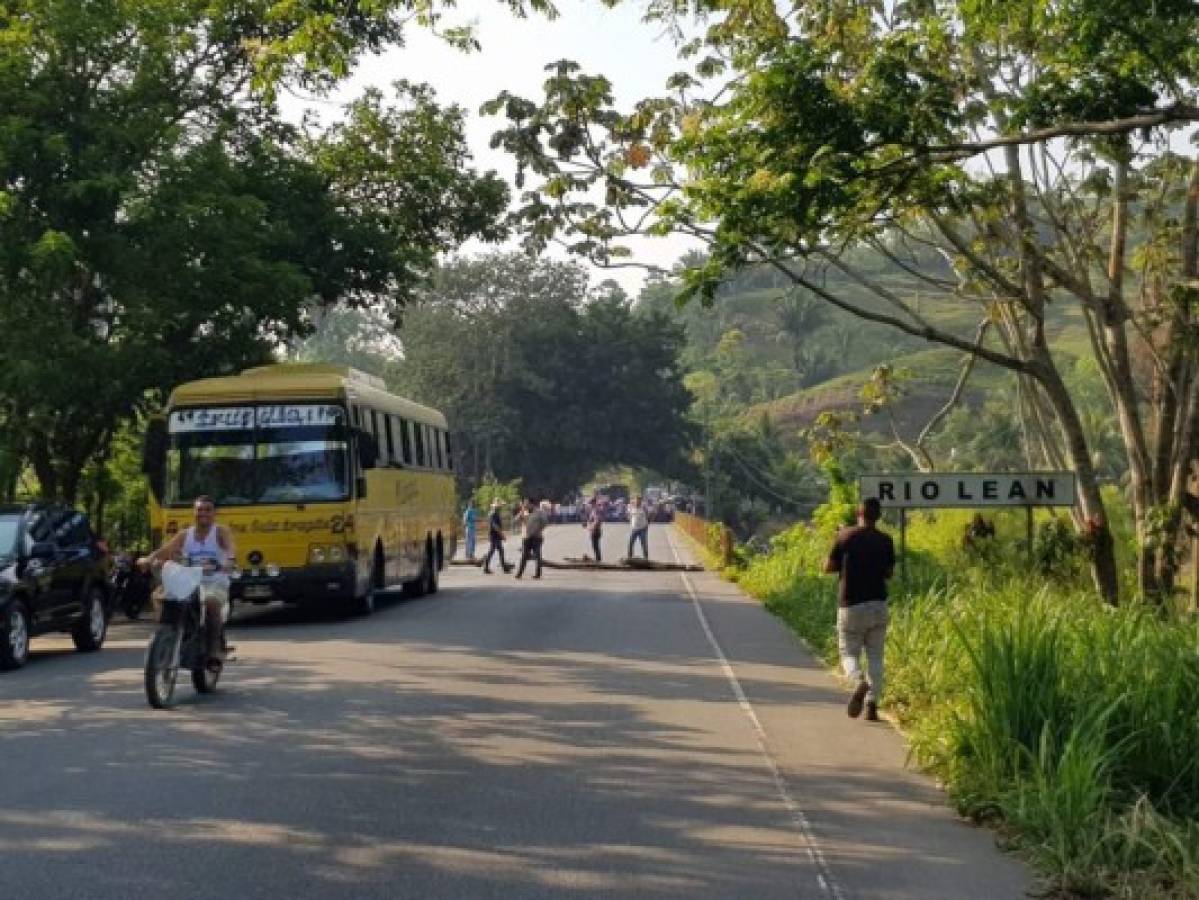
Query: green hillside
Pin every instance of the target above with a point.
(793, 374)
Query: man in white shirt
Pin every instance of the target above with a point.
(638, 527)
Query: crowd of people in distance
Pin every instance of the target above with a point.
(533, 517)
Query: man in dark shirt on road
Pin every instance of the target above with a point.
(864, 557)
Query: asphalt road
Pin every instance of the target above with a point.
(586, 735)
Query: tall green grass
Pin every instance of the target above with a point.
(1071, 726)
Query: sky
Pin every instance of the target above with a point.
(638, 57)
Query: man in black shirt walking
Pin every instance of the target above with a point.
(495, 536)
(864, 557)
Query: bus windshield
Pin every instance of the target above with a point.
(242, 455)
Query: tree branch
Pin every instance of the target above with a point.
(958, 389)
(1176, 112)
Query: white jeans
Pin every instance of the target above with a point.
(863, 625)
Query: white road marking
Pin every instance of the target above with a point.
(824, 876)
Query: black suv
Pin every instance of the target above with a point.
(52, 578)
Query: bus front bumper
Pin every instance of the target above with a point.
(308, 584)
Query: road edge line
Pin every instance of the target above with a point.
(824, 876)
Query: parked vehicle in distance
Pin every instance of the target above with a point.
(53, 577)
(130, 588)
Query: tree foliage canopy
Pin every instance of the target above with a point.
(542, 378)
(160, 222)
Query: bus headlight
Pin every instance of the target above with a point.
(272, 570)
(326, 553)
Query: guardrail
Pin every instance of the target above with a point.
(715, 537)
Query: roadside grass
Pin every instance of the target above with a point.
(1071, 727)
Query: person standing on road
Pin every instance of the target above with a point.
(864, 557)
(594, 523)
(533, 520)
(638, 527)
(495, 538)
(469, 520)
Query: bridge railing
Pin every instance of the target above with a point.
(715, 537)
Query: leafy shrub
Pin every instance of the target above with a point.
(1059, 551)
(507, 492)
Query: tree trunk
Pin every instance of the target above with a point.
(43, 467)
(1176, 404)
(1098, 529)
(1122, 385)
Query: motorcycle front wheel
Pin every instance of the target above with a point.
(161, 669)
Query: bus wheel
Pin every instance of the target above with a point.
(431, 569)
(426, 581)
(365, 604)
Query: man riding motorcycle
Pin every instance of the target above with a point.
(209, 545)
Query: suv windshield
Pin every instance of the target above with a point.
(9, 525)
(294, 453)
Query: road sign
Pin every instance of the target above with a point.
(933, 490)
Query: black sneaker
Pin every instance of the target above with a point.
(857, 699)
(872, 712)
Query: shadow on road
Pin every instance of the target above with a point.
(486, 742)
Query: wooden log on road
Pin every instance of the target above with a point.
(586, 563)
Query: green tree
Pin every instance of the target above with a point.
(1019, 140)
(159, 222)
(542, 379)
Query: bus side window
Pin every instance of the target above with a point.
(449, 451)
(357, 416)
(392, 458)
(419, 432)
(431, 445)
(374, 430)
(445, 458)
(406, 442)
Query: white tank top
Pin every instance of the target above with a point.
(208, 549)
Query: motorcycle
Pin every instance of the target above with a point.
(130, 587)
(178, 642)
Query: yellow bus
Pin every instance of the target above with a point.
(334, 488)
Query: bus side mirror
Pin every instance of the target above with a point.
(368, 450)
(154, 452)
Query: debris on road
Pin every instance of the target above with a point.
(586, 562)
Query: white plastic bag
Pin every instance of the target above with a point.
(180, 582)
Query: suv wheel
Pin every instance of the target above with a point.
(14, 636)
(90, 631)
